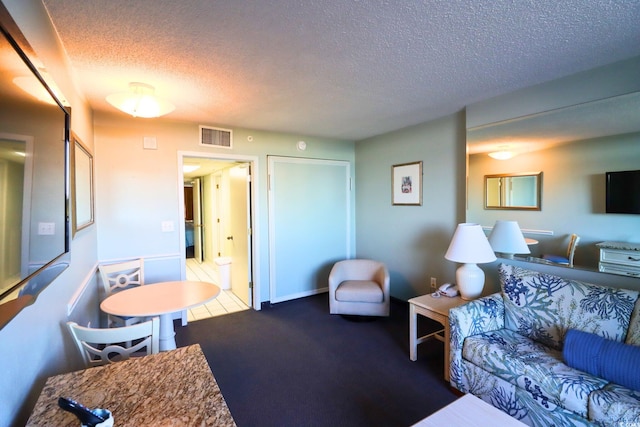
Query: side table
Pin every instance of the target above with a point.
(435, 308)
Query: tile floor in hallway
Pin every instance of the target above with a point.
(225, 303)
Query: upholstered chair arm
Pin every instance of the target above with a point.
(482, 315)
(382, 277)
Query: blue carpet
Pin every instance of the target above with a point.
(294, 364)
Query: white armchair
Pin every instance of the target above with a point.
(359, 287)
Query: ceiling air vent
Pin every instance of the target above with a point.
(216, 137)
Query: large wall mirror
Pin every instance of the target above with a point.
(573, 147)
(34, 148)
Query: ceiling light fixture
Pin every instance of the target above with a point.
(140, 101)
(502, 154)
(190, 168)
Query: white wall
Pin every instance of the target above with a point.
(412, 240)
(138, 189)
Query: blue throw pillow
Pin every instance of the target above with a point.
(603, 358)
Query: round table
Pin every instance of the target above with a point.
(160, 299)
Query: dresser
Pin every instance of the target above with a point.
(619, 258)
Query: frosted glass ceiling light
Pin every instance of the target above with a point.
(502, 154)
(190, 168)
(140, 101)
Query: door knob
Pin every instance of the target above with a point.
(229, 237)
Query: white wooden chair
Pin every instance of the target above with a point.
(100, 346)
(120, 276)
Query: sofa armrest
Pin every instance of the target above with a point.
(482, 315)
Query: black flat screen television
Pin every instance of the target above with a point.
(623, 192)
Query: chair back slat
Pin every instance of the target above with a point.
(122, 275)
(101, 346)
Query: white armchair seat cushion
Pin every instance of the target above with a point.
(359, 291)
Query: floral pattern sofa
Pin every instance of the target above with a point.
(507, 349)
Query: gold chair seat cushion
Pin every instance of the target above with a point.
(360, 291)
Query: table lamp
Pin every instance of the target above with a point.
(507, 239)
(470, 246)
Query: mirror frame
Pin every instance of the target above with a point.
(538, 205)
(82, 193)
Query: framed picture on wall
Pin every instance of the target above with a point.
(406, 184)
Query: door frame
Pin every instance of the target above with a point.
(255, 232)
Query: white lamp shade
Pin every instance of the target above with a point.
(507, 238)
(470, 245)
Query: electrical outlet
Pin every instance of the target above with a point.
(433, 283)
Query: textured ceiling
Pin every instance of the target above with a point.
(344, 69)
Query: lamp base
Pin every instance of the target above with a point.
(470, 280)
(505, 255)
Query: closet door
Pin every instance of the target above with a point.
(309, 224)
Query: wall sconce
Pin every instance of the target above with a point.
(470, 246)
(140, 101)
(33, 86)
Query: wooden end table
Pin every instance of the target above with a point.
(435, 308)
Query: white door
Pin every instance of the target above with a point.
(309, 224)
(197, 220)
(240, 231)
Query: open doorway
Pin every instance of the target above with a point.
(217, 203)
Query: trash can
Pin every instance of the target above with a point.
(224, 271)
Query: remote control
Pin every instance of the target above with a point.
(86, 416)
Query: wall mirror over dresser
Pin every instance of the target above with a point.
(515, 191)
(573, 146)
(34, 158)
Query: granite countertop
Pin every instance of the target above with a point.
(173, 388)
(625, 246)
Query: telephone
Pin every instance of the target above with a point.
(448, 290)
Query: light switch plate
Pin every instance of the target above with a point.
(46, 228)
(150, 143)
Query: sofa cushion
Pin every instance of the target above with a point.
(633, 335)
(517, 402)
(543, 306)
(359, 291)
(533, 367)
(611, 360)
(614, 406)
